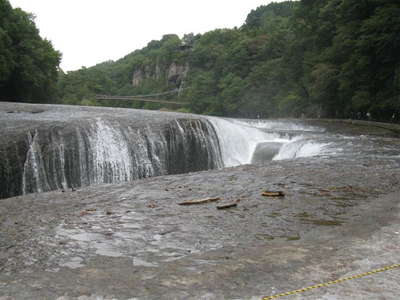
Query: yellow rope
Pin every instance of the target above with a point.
(332, 282)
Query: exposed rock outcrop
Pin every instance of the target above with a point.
(174, 73)
(137, 77)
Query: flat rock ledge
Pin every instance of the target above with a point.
(133, 241)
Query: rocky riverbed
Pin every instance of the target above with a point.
(340, 216)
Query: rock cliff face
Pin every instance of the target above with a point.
(174, 73)
(177, 73)
(63, 147)
(137, 77)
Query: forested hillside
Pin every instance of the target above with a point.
(28, 63)
(325, 58)
(156, 68)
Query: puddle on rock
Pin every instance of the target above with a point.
(263, 237)
(142, 263)
(293, 238)
(86, 237)
(73, 263)
(326, 222)
(307, 218)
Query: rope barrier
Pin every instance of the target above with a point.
(302, 290)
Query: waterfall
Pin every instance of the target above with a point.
(245, 142)
(238, 140)
(112, 150)
(111, 158)
(193, 145)
(301, 147)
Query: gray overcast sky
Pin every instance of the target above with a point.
(88, 32)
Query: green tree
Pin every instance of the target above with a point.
(28, 63)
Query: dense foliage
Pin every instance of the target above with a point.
(28, 63)
(326, 58)
(349, 54)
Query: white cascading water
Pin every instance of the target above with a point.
(283, 125)
(300, 147)
(142, 154)
(60, 146)
(111, 159)
(32, 176)
(31, 165)
(238, 140)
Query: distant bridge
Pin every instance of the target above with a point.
(133, 98)
(144, 98)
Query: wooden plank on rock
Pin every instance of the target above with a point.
(199, 201)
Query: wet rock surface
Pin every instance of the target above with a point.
(340, 216)
(133, 240)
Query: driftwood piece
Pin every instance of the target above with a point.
(273, 194)
(225, 206)
(87, 212)
(199, 201)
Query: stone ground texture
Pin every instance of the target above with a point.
(134, 240)
(340, 216)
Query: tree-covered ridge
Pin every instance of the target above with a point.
(145, 71)
(241, 72)
(325, 58)
(219, 67)
(28, 63)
